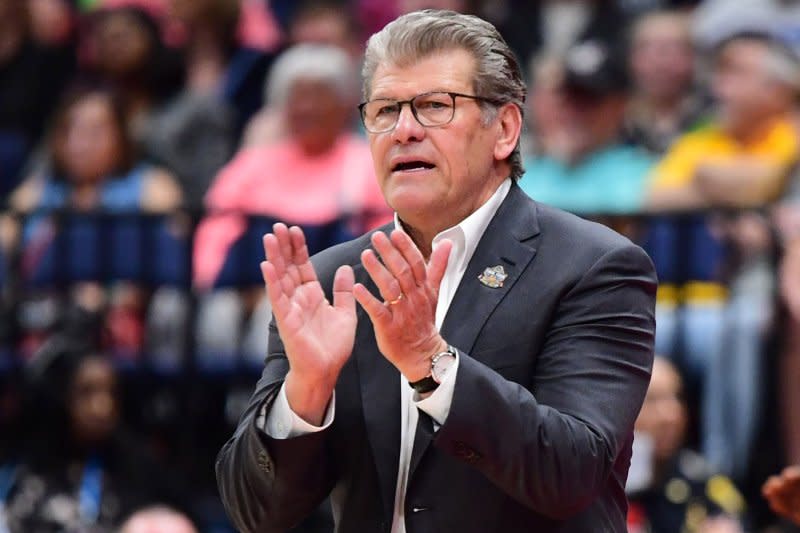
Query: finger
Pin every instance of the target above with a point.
(378, 313)
(301, 257)
(411, 254)
(792, 473)
(770, 486)
(272, 251)
(278, 299)
(394, 261)
(343, 288)
(438, 263)
(281, 232)
(387, 285)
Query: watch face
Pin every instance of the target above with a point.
(441, 366)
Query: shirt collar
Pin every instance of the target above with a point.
(466, 234)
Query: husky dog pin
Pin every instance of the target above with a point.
(493, 277)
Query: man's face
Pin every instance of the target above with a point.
(435, 175)
(745, 91)
(316, 114)
(662, 57)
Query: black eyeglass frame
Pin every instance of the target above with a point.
(410, 102)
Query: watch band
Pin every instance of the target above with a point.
(426, 384)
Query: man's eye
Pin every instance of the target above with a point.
(386, 110)
(433, 105)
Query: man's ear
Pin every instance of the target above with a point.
(509, 123)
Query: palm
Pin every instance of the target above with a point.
(322, 333)
(318, 336)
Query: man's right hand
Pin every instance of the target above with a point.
(318, 337)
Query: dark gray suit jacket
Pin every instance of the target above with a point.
(554, 368)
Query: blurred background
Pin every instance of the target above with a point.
(146, 145)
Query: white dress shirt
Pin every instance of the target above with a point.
(282, 423)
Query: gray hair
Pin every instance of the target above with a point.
(419, 34)
(783, 65)
(317, 62)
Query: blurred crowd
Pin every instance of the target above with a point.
(147, 145)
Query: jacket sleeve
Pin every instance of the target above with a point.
(271, 484)
(553, 447)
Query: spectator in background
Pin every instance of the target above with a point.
(671, 488)
(326, 22)
(199, 131)
(99, 472)
(32, 74)
(741, 159)
(52, 22)
(578, 107)
(664, 103)
(157, 519)
(127, 54)
(320, 175)
(314, 22)
(94, 165)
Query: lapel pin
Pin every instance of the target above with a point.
(493, 277)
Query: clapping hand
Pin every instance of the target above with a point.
(405, 321)
(318, 335)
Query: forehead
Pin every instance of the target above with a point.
(671, 27)
(447, 70)
(742, 51)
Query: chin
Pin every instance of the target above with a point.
(408, 203)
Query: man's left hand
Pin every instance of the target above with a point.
(405, 321)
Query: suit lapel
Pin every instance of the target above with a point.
(380, 400)
(507, 242)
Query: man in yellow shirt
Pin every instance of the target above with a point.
(743, 157)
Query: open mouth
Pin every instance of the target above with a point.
(409, 166)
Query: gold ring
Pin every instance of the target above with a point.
(396, 300)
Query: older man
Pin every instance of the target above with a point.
(491, 375)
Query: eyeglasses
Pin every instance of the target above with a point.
(429, 109)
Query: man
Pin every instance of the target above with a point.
(673, 488)
(539, 327)
(664, 103)
(743, 157)
(578, 105)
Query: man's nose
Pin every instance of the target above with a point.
(408, 128)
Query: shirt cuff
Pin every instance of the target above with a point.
(283, 423)
(437, 405)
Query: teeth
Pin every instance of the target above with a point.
(413, 165)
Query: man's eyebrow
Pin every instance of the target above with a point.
(427, 91)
